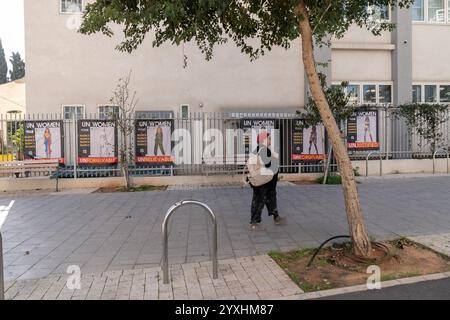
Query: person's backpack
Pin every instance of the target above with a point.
(255, 171)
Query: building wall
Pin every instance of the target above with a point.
(361, 56)
(65, 67)
(431, 50)
(361, 65)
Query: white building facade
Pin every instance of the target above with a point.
(69, 72)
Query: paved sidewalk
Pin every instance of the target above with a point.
(438, 242)
(250, 278)
(44, 233)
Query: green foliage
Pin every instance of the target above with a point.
(426, 120)
(289, 256)
(145, 187)
(402, 242)
(3, 65)
(337, 99)
(214, 22)
(18, 67)
(308, 287)
(331, 179)
(17, 139)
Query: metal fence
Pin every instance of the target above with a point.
(396, 141)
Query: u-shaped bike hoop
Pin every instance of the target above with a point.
(170, 212)
(434, 158)
(367, 162)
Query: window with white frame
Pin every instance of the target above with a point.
(431, 93)
(72, 111)
(384, 93)
(353, 93)
(418, 10)
(436, 11)
(108, 112)
(416, 93)
(71, 6)
(380, 13)
(154, 114)
(448, 11)
(184, 111)
(431, 11)
(384, 13)
(369, 93)
(444, 93)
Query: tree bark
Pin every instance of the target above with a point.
(360, 239)
(124, 158)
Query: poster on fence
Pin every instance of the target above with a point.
(308, 144)
(252, 128)
(154, 141)
(97, 142)
(362, 131)
(44, 140)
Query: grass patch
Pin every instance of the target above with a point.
(139, 188)
(331, 179)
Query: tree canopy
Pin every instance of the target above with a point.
(3, 65)
(336, 97)
(18, 67)
(253, 25)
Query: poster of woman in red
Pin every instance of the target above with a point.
(43, 140)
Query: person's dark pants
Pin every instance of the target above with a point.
(265, 195)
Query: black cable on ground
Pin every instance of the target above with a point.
(320, 247)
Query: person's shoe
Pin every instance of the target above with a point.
(256, 227)
(279, 220)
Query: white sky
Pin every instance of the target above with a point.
(12, 27)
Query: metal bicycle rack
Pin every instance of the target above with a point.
(2, 284)
(170, 212)
(367, 162)
(434, 158)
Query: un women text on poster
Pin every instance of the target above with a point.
(154, 141)
(308, 143)
(97, 142)
(44, 140)
(252, 128)
(362, 131)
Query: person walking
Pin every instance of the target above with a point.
(262, 166)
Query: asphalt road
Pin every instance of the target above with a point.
(426, 290)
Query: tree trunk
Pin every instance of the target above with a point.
(126, 175)
(360, 240)
(124, 161)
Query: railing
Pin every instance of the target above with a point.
(396, 141)
(170, 212)
(367, 162)
(434, 159)
(2, 283)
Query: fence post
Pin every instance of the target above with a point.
(2, 284)
(75, 146)
(386, 131)
(325, 176)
